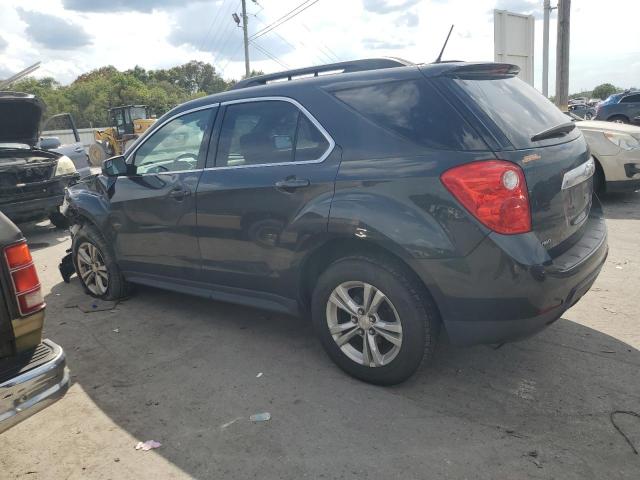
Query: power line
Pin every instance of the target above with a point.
(228, 39)
(298, 10)
(214, 20)
(270, 55)
(288, 42)
(226, 29)
(322, 44)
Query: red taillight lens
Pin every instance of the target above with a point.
(26, 285)
(494, 191)
(18, 255)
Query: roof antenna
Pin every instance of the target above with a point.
(439, 59)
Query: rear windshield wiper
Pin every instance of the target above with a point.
(557, 131)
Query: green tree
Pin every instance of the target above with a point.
(90, 95)
(604, 90)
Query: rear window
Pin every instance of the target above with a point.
(414, 110)
(518, 109)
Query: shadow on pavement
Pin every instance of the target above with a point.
(180, 368)
(621, 206)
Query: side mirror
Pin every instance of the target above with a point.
(49, 143)
(114, 167)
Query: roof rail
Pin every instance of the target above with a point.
(340, 67)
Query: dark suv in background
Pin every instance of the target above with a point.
(620, 108)
(382, 197)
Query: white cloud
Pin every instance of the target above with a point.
(605, 45)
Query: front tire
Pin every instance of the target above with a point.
(373, 320)
(95, 265)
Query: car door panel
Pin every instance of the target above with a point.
(153, 212)
(252, 231)
(256, 220)
(155, 229)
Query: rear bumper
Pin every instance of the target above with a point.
(33, 389)
(509, 288)
(49, 197)
(32, 209)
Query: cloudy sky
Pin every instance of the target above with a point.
(73, 36)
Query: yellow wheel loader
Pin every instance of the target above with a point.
(126, 124)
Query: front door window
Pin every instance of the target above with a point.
(174, 147)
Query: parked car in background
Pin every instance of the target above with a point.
(32, 178)
(616, 150)
(33, 372)
(75, 151)
(384, 201)
(582, 110)
(620, 107)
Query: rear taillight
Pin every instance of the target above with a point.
(494, 191)
(24, 278)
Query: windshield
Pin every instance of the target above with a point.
(611, 99)
(518, 109)
(138, 112)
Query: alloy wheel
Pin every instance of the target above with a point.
(92, 269)
(364, 323)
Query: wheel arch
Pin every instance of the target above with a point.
(333, 249)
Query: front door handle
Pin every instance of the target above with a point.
(179, 193)
(289, 184)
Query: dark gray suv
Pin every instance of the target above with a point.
(382, 198)
(620, 108)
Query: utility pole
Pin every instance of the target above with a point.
(246, 38)
(545, 48)
(562, 54)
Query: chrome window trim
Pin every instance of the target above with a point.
(579, 174)
(302, 109)
(171, 118)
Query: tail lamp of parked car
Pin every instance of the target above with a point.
(494, 192)
(24, 278)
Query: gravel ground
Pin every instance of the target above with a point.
(184, 371)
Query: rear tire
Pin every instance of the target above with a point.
(399, 332)
(97, 154)
(96, 266)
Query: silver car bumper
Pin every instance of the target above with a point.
(27, 393)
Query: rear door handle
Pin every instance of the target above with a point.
(179, 193)
(292, 183)
(79, 149)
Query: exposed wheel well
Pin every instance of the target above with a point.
(335, 249)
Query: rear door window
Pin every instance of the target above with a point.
(414, 110)
(518, 109)
(268, 132)
(631, 99)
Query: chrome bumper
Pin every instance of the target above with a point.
(33, 390)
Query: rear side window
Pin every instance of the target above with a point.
(518, 109)
(414, 110)
(631, 99)
(267, 132)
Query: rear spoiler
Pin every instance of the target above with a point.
(482, 71)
